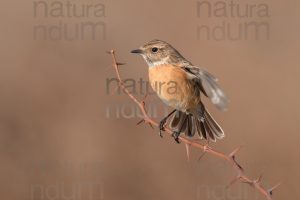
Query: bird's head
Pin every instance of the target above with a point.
(157, 52)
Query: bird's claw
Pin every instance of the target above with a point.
(162, 127)
(176, 134)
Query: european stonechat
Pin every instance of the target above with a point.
(180, 85)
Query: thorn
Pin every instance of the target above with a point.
(145, 121)
(150, 124)
(237, 164)
(273, 188)
(118, 63)
(140, 122)
(258, 180)
(144, 104)
(205, 148)
(110, 51)
(233, 153)
(202, 155)
(145, 97)
(233, 181)
(187, 148)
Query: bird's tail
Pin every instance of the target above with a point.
(200, 122)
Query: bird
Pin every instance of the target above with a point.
(180, 85)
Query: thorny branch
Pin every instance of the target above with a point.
(230, 158)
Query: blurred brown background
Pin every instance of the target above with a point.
(61, 138)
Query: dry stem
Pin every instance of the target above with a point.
(230, 158)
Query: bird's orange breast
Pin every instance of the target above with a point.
(173, 86)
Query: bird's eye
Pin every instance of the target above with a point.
(154, 49)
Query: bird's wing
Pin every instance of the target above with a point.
(208, 85)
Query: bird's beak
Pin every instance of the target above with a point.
(138, 51)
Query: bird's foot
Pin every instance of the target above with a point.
(176, 136)
(162, 127)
